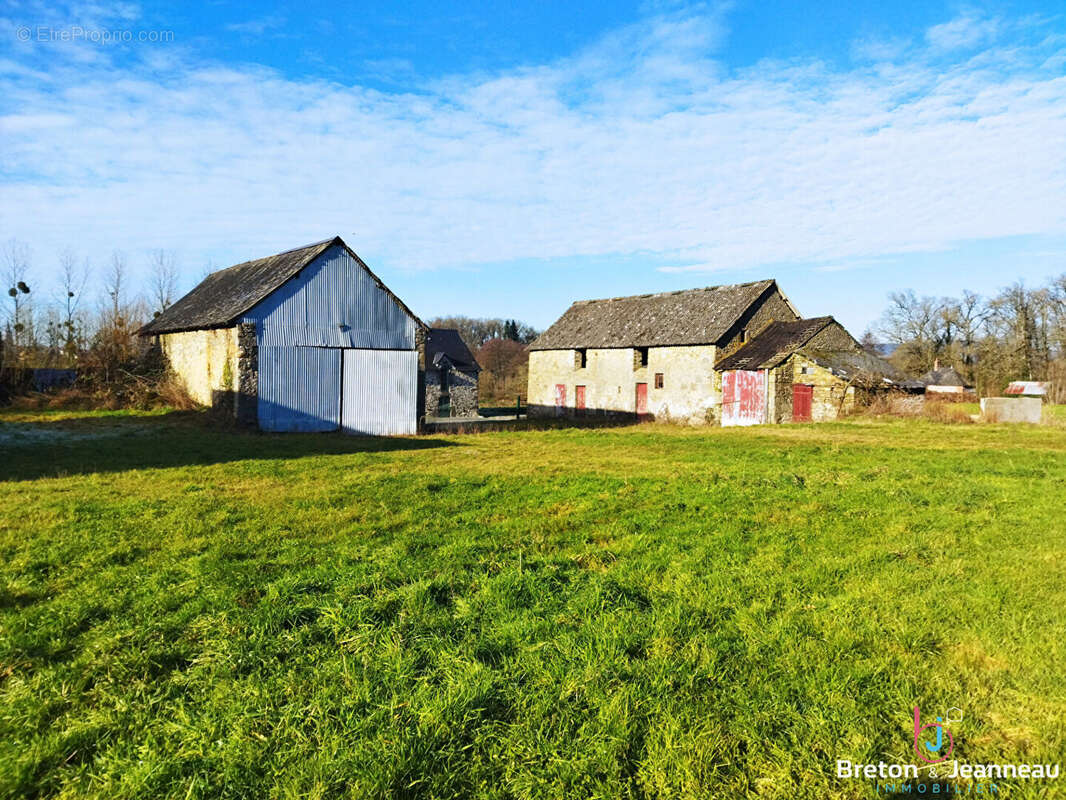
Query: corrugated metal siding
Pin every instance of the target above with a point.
(743, 397)
(332, 303)
(299, 389)
(380, 394)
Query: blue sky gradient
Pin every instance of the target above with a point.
(506, 159)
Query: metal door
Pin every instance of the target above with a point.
(801, 402)
(642, 400)
(743, 397)
(379, 395)
(299, 388)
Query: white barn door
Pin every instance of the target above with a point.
(379, 392)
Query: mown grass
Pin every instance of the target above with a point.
(628, 612)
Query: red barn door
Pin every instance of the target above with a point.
(642, 400)
(801, 402)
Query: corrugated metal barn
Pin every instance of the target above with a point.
(305, 340)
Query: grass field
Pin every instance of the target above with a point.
(636, 612)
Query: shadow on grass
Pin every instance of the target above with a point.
(90, 443)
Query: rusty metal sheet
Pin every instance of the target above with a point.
(743, 397)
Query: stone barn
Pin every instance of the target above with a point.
(804, 370)
(648, 356)
(451, 375)
(305, 340)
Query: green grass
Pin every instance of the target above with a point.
(635, 612)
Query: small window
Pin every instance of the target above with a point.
(743, 335)
(658, 380)
(581, 358)
(804, 370)
(640, 357)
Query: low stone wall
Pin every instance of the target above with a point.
(1012, 409)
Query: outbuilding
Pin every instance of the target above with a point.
(306, 340)
(451, 375)
(804, 370)
(944, 380)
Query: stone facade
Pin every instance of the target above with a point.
(207, 361)
(773, 308)
(691, 390)
(462, 392)
(831, 395)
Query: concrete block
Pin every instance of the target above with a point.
(1011, 409)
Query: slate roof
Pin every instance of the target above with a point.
(776, 342)
(861, 366)
(694, 316)
(945, 376)
(446, 343)
(220, 299)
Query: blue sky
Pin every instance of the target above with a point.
(507, 159)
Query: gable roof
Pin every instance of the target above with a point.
(776, 342)
(446, 343)
(693, 316)
(944, 376)
(220, 299)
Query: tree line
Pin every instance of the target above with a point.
(83, 316)
(1017, 334)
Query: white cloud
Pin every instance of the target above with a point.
(967, 30)
(641, 144)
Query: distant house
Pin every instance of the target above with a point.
(804, 370)
(305, 340)
(945, 380)
(648, 356)
(451, 375)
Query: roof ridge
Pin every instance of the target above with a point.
(274, 255)
(672, 292)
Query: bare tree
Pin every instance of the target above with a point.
(16, 265)
(73, 279)
(163, 279)
(917, 325)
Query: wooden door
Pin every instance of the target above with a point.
(642, 400)
(579, 400)
(801, 402)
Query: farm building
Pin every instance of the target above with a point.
(451, 375)
(946, 380)
(650, 355)
(305, 340)
(805, 370)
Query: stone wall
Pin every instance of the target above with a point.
(462, 391)
(829, 390)
(773, 308)
(207, 362)
(246, 402)
(691, 390)
(833, 337)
